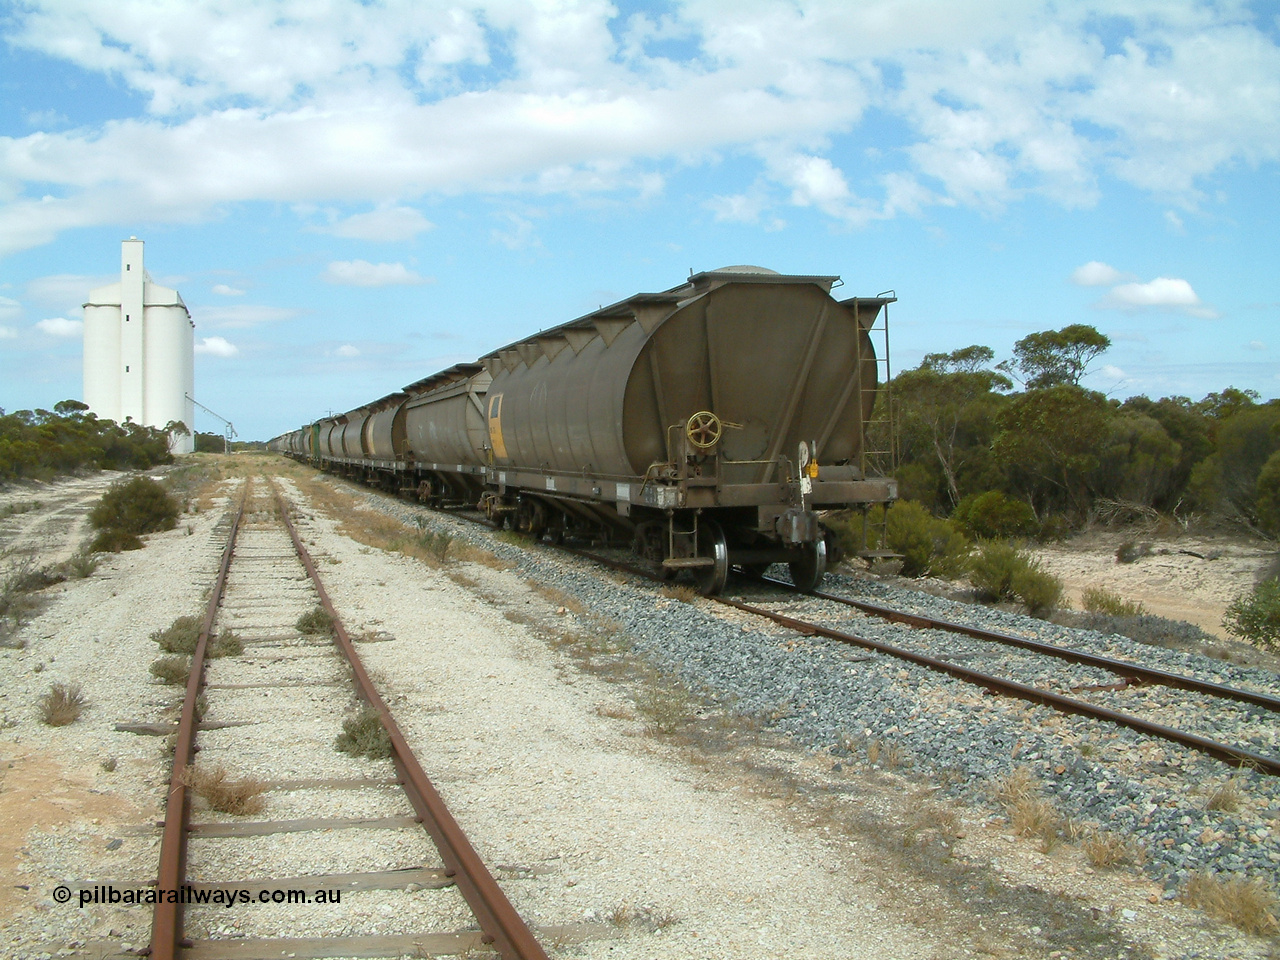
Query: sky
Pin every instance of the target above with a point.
(352, 195)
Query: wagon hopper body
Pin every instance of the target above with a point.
(710, 425)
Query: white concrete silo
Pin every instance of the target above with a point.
(139, 351)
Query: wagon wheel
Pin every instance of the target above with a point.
(808, 571)
(703, 429)
(711, 543)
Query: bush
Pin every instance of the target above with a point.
(180, 636)
(315, 622)
(171, 670)
(929, 546)
(363, 735)
(1102, 600)
(130, 509)
(993, 516)
(1002, 571)
(1255, 617)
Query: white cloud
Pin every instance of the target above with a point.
(388, 224)
(1257, 345)
(1174, 222)
(216, 347)
(1098, 274)
(347, 350)
(1112, 372)
(362, 273)
(736, 208)
(1168, 293)
(385, 103)
(61, 327)
(10, 309)
(518, 234)
(8, 333)
(225, 291)
(241, 316)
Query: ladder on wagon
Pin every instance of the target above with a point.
(878, 455)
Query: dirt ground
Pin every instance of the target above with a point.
(64, 810)
(1178, 575)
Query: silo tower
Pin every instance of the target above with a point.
(139, 351)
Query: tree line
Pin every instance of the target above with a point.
(39, 444)
(1020, 448)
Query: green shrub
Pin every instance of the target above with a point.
(993, 515)
(180, 636)
(1255, 617)
(1036, 588)
(130, 509)
(171, 670)
(1102, 600)
(363, 735)
(225, 644)
(1002, 571)
(929, 546)
(315, 622)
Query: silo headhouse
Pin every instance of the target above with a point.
(139, 352)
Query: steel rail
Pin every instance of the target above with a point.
(501, 924)
(1122, 668)
(166, 919)
(1237, 756)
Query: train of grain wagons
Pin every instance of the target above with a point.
(711, 426)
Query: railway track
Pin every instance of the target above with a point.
(284, 698)
(1131, 678)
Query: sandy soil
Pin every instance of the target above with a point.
(1183, 576)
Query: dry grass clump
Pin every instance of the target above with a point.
(469, 553)
(222, 793)
(1102, 600)
(1227, 796)
(316, 622)
(171, 670)
(1247, 904)
(1030, 814)
(649, 918)
(180, 636)
(665, 707)
(679, 591)
(62, 705)
(1104, 849)
(363, 735)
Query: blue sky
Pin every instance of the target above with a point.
(350, 196)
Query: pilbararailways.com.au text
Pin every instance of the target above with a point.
(110, 895)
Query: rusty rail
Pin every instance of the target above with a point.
(1121, 668)
(1236, 756)
(166, 918)
(502, 926)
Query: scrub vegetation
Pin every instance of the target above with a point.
(1043, 460)
(130, 509)
(39, 444)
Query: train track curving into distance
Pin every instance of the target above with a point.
(266, 577)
